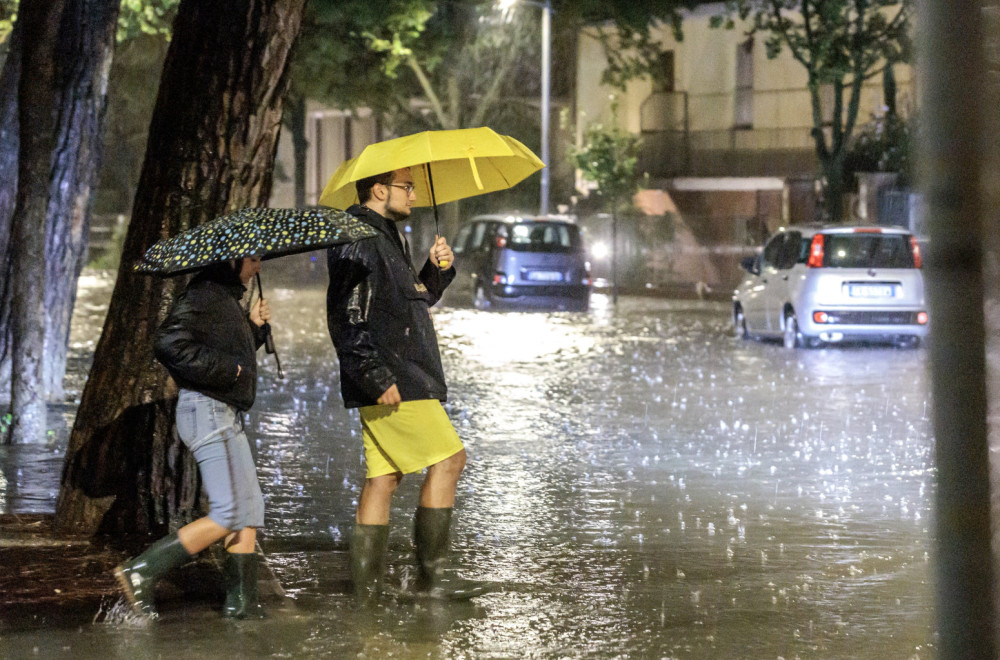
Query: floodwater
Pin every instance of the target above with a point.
(642, 484)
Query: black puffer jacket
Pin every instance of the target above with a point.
(377, 310)
(206, 335)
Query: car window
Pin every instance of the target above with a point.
(773, 250)
(804, 244)
(478, 231)
(543, 237)
(864, 250)
(460, 240)
(790, 250)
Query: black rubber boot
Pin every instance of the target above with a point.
(430, 536)
(138, 576)
(368, 547)
(239, 573)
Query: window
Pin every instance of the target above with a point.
(543, 237)
(744, 85)
(478, 231)
(867, 251)
(773, 250)
(663, 77)
(461, 239)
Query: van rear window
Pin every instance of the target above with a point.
(867, 251)
(543, 237)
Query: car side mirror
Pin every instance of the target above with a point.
(751, 265)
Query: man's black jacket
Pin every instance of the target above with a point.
(205, 336)
(377, 310)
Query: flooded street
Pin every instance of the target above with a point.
(643, 485)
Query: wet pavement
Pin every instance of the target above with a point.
(642, 484)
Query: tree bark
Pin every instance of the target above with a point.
(296, 114)
(10, 142)
(86, 47)
(36, 106)
(211, 148)
(81, 58)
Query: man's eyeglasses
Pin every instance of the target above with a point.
(408, 187)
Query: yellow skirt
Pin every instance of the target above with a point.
(407, 437)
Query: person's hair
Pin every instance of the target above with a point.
(364, 186)
(223, 272)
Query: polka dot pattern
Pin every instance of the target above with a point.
(252, 232)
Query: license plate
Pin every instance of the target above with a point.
(871, 290)
(545, 276)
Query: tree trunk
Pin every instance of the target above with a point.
(296, 116)
(211, 148)
(833, 194)
(9, 148)
(958, 165)
(86, 47)
(36, 105)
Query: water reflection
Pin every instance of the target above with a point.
(641, 483)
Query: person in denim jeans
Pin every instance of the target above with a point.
(208, 344)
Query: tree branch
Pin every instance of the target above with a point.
(432, 97)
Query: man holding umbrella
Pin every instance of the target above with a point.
(390, 368)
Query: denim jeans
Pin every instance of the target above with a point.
(211, 430)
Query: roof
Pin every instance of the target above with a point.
(512, 218)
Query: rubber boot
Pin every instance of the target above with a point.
(138, 576)
(368, 548)
(430, 536)
(239, 574)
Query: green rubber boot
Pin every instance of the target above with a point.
(138, 576)
(239, 574)
(430, 536)
(368, 548)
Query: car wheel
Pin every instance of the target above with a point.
(791, 334)
(481, 300)
(740, 323)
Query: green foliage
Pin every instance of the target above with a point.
(885, 144)
(624, 28)
(608, 157)
(841, 44)
(138, 17)
(349, 51)
(8, 14)
(834, 39)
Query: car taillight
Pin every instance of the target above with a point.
(821, 317)
(500, 278)
(816, 252)
(501, 241)
(918, 261)
(922, 318)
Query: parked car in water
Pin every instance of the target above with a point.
(520, 261)
(815, 285)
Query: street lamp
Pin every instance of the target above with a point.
(546, 7)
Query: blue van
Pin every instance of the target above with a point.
(518, 262)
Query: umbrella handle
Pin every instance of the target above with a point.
(443, 264)
(268, 337)
(269, 348)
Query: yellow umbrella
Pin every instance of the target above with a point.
(446, 165)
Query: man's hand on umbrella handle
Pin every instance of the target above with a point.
(260, 313)
(390, 397)
(441, 253)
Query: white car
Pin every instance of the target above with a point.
(815, 285)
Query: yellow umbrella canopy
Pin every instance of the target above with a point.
(446, 165)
